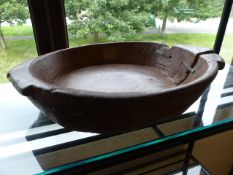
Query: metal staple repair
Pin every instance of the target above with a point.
(188, 67)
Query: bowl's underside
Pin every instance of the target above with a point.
(116, 78)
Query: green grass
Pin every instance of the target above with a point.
(206, 40)
(17, 30)
(227, 48)
(173, 39)
(22, 50)
(17, 52)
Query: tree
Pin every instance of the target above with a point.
(185, 10)
(112, 17)
(12, 11)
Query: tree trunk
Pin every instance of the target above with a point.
(163, 29)
(2, 40)
(96, 36)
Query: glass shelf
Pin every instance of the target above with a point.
(32, 144)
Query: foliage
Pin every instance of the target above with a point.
(112, 17)
(12, 11)
(186, 10)
(204, 9)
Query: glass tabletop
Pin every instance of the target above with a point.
(30, 143)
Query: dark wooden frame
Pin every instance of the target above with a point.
(49, 25)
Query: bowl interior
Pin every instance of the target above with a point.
(116, 67)
(115, 78)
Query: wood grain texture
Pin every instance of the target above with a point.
(116, 87)
(115, 78)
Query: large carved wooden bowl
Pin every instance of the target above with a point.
(116, 87)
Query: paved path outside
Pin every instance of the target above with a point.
(208, 26)
(19, 37)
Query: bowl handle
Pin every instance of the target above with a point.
(220, 61)
(217, 58)
(199, 51)
(23, 81)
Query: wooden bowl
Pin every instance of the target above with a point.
(116, 87)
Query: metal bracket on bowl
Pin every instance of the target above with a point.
(190, 69)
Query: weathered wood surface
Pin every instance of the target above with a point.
(116, 87)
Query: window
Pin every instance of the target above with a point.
(17, 42)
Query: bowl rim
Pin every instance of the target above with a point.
(27, 84)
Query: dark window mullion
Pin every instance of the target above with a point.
(49, 25)
(223, 25)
